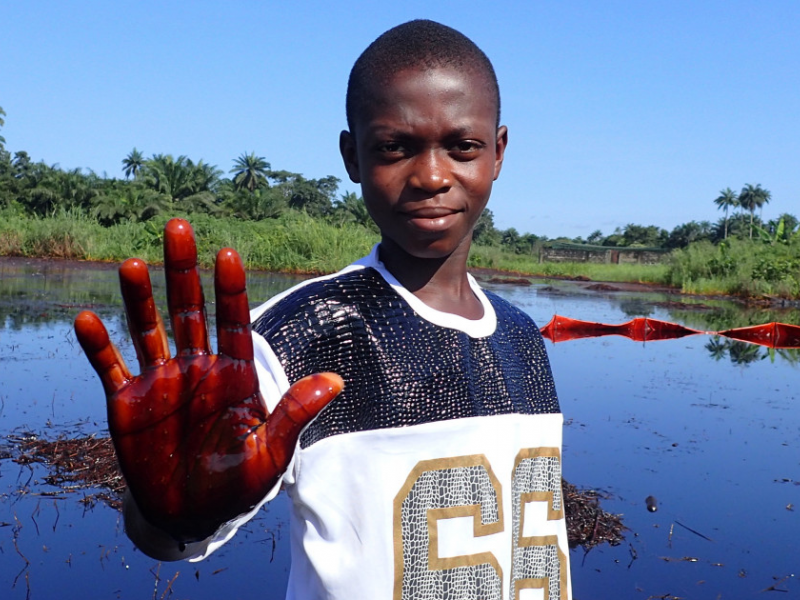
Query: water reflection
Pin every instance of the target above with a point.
(636, 307)
(742, 353)
(67, 547)
(706, 314)
(41, 291)
(707, 426)
(722, 316)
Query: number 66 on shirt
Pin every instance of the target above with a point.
(466, 486)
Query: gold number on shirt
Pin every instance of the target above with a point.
(537, 561)
(441, 489)
(466, 486)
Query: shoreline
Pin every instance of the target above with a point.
(586, 283)
(482, 274)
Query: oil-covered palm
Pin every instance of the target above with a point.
(194, 441)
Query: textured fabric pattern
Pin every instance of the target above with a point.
(538, 558)
(399, 369)
(445, 490)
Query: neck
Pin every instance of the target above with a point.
(441, 283)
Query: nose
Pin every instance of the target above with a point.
(431, 173)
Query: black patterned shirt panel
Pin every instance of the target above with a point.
(400, 369)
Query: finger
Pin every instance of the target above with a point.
(184, 292)
(299, 405)
(102, 354)
(145, 324)
(233, 312)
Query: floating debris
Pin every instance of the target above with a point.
(694, 531)
(588, 525)
(692, 559)
(774, 587)
(74, 464)
(602, 287)
(510, 280)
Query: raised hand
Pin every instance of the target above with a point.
(192, 435)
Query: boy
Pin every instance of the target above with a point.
(448, 410)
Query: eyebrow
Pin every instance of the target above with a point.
(394, 132)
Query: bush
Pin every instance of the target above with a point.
(740, 267)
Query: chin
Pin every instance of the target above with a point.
(436, 250)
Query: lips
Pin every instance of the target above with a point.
(431, 212)
(433, 219)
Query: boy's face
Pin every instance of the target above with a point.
(426, 150)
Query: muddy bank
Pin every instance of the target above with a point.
(493, 276)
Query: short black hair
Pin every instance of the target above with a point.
(419, 43)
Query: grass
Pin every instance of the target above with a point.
(297, 243)
(739, 268)
(494, 258)
(292, 244)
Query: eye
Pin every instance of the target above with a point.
(391, 148)
(467, 148)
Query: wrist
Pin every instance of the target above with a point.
(154, 541)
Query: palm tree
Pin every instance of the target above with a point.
(510, 239)
(133, 202)
(206, 176)
(717, 348)
(727, 199)
(167, 175)
(39, 185)
(250, 171)
(742, 353)
(22, 163)
(133, 163)
(262, 203)
(77, 189)
(181, 180)
(752, 197)
(350, 208)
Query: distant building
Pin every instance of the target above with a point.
(566, 252)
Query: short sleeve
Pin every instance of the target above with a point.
(272, 378)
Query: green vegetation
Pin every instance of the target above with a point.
(277, 220)
(292, 243)
(502, 260)
(738, 267)
(740, 255)
(283, 221)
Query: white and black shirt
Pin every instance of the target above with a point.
(436, 474)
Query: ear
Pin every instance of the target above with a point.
(347, 147)
(500, 149)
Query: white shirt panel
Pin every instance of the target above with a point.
(343, 490)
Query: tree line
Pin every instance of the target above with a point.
(742, 224)
(164, 184)
(253, 190)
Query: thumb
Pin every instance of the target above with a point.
(303, 401)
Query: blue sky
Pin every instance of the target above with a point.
(618, 112)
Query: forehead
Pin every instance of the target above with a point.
(450, 90)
